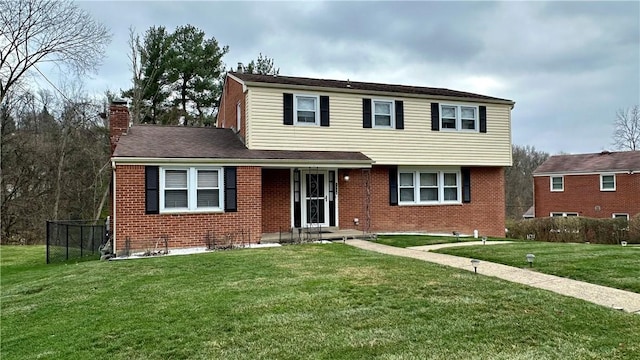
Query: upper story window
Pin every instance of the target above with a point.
(383, 114)
(190, 189)
(608, 182)
(429, 186)
(459, 117)
(306, 110)
(557, 183)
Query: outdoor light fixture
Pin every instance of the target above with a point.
(484, 240)
(346, 176)
(530, 258)
(623, 243)
(474, 263)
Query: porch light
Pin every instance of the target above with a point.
(346, 176)
(475, 263)
(530, 258)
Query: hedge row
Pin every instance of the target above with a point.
(576, 229)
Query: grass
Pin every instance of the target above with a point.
(405, 241)
(307, 301)
(608, 265)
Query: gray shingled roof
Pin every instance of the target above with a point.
(153, 141)
(597, 162)
(362, 86)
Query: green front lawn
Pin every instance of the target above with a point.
(608, 265)
(405, 241)
(306, 301)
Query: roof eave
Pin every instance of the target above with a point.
(376, 92)
(322, 163)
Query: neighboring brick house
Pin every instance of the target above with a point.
(600, 185)
(295, 152)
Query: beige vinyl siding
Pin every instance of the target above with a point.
(417, 144)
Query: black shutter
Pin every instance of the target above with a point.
(366, 113)
(230, 190)
(483, 119)
(288, 109)
(324, 111)
(435, 117)
(399, 114)
(393, 185)
(151, 190)
(466, 184)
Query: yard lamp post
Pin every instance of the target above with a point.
(474, 263)
(530, 258)
(484, 240)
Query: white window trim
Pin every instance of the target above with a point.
(459, 118)
(564, 214)
(551, 184)
(602, 183)
(392, 124)
(416, 186)
(295, 110)
(192, 191)
(613, 216)
(238, 116)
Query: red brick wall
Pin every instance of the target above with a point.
(582, 194)
(486, 212)
(232, 93)
(276, 200)
(118, 122)
(184, 230)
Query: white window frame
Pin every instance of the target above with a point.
(602, 188)
(616, 215)
(192, 190)
(316, 110)
(561, 183)
(564, 214)
(416, 185)
(392, 109)
(458, 117)
(238, 116)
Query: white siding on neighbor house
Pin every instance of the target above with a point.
(416, 144)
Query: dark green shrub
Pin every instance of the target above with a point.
(576, 229)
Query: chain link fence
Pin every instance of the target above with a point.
(75, 239)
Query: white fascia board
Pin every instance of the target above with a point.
(244, 86)
(273, 163)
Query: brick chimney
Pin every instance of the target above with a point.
(118, 121)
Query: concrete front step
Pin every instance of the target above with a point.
(329, 233)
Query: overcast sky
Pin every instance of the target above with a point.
(568, 65)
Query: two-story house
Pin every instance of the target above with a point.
(599, 185)
(293, 152)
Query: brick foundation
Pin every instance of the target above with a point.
(184, 230)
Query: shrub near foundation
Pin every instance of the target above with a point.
(576, 229)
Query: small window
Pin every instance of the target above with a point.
(238, 116)
(383, 114)
(176, 189)
(450, 187)
(458, 117)
(407, 189)
(563, 214)
(557, 183)
(208, 189)
(607, 183)
(306, 110)
(620, 216)
(429, 187)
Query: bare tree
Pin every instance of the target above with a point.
(519, 179)
(33, 31)
(626, 134)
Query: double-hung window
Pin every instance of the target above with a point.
(306, 110)
(459, 117)
(383, 114)
(429, 186)
(557, 183)
(608, 182)
(190, 189)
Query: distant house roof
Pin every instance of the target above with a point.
(590, 163)
(178, 142)
(347, 85)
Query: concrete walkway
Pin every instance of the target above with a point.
(597, 294)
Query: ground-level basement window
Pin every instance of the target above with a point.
(563, 214)
(425, 186)
(620, 216)
(190, 189)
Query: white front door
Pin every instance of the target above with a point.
(315, 204)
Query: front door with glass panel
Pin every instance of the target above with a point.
(315, 205)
